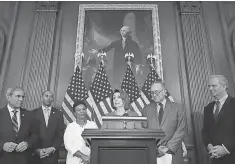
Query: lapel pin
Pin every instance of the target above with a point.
(53, 112)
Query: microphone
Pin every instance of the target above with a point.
(125, 114)
(124, 122)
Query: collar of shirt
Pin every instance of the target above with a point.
(163, 103)
(222, 100)
(46, 109)
(124, 39)
(11, 110)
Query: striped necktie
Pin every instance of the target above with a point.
(14, 121)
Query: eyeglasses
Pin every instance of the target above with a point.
(156, 92)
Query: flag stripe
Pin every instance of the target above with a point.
(107, 107)
(68, 105)
(89, 102)
(69, 115)
(139, 100)
(102, 107)
(138, 107)
(144, 98)
(66, 122)
(109, 103)
(134, 107)
(96, 110)
(69, 100)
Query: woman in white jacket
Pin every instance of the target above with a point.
(78, 150)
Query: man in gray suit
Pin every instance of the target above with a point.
(170, 117)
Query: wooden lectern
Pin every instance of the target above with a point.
(123, 146)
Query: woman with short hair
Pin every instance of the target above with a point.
(121, 104)
(78, 150)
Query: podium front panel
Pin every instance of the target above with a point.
(123, 151)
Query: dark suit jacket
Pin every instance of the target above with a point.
(119, 62)
(7, 134)
(50, 135)
(222, 130)
(173, 124)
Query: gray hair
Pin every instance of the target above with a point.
(10, 91)
(222, 80)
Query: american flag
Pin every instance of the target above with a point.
(76, 91)
(151, 78)
(129, 84)
(99, 93)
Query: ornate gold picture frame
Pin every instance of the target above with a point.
(152, 9)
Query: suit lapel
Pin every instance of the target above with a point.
(210, 111)
(22, 119)
(166, 110)
(222, 110)
(51, 117)
(7, 118)
(41, 117)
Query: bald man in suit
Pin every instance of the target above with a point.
(170, 117)
(51, 130)
(17, 131)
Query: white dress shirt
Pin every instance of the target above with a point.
(222, 101)
(163, 105)
(46, 113)
(11, 111)
(123, 42)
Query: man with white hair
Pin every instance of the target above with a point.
(218, 131)
(169, 116)
(122, 46)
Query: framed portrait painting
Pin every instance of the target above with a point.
(99, 28)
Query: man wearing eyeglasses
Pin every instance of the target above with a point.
(169, 116)
(17, 130)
